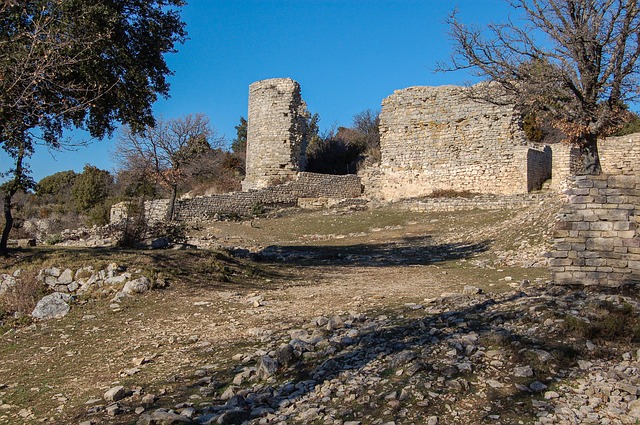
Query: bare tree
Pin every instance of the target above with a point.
(570, 62)
(166, 150)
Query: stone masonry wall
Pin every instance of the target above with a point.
(596, 238)
(154, 211)
(202, 208)
(275, 132)
(620, 155)
(305, 185)
(437, 138)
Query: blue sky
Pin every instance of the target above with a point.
(347, 55)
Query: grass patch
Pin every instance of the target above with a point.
(608, 322)
(450, 193)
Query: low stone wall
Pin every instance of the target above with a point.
(480, 202)
(304, 185)
(596, 238)
(618, 156)
(154, 211)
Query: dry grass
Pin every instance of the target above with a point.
(607, 322)
(21, 299)
(95, 344)
(450, 193)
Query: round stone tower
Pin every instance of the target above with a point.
(276, 127)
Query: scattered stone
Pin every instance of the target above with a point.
(471, 290)
(115, 394)
(137, 286)
(335, 322)
(113, 409)
(537, 386)
(54, 306)
(523, 371)
(163, 417)
(266, 367)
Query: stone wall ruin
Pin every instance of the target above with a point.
(276, 128)
(438, 138)
(205, 208)
(596, 237)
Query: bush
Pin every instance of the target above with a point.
(22, 297)
(609, 322)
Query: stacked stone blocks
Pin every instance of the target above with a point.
(439, 138)
(596, 238)
(620, 155)
(304, 185)
(276, 132)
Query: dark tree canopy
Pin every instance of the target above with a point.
(570, 62)
(91, 188)
(83, 63)
(79, 64)
(239, 144)
(347, 149)
(57, 184)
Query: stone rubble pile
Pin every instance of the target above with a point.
(456, 359)
(67, 284)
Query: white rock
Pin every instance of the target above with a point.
(52, 306)
(115, 394)
(137, 286)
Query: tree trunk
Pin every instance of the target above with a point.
(8, 223)
(11, 188)
(589, 159)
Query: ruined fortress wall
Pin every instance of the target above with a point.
(437, 138)
(154, 211)
(305, 185)
(275, 132)
(596, 238)
(620, 155)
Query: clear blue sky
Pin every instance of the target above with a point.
(347, 55)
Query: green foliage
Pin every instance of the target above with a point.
(239, 144)
(53, 239)
(257, 209)
(78, 64)
(630, 127)
(99, 214)
(348, 149)
(609, 322)
(84, 63)
(91, 188)
(58, 185)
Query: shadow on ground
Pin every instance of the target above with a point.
(406, 251)
(380, 348)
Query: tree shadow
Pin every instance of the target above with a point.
(414, 250)
(409, 347)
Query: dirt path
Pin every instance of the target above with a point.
(55, 371)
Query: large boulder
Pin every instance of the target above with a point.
(137, 286)
(52, 306)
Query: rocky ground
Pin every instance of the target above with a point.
(337, 318)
